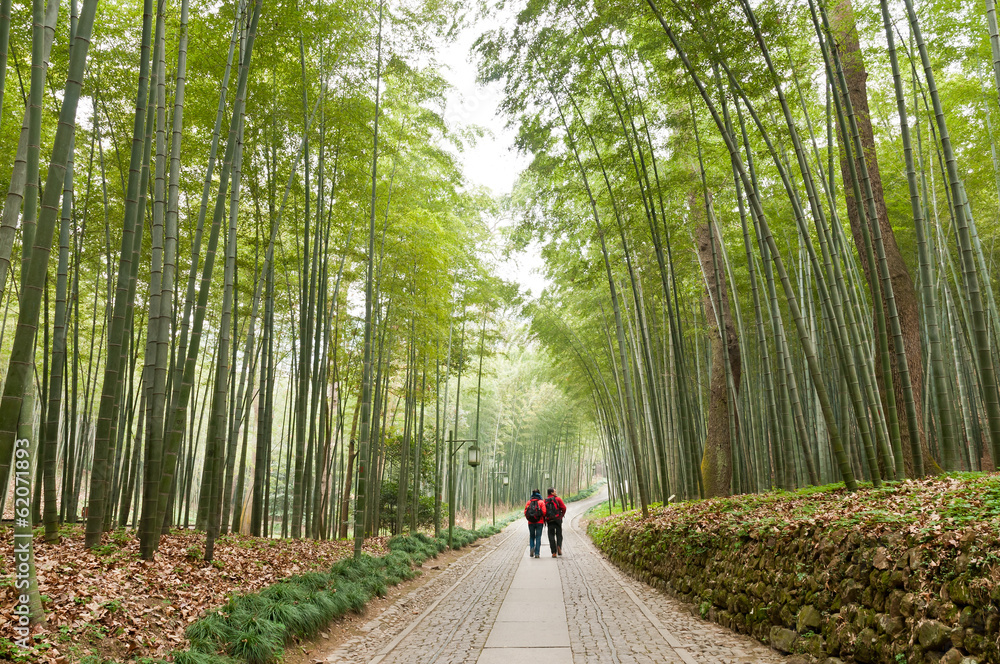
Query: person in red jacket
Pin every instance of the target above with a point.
(555, 510)
(534, 512)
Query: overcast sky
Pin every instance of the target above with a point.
(492, 162)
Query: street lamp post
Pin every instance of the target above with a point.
(474, 462)
(451, 476)
(451, 486)
(505, 481)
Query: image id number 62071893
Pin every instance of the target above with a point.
(22, 540)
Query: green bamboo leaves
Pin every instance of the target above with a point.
(828, 406)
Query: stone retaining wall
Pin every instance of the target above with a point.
(827, 595)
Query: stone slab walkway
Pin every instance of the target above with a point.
(498, 606)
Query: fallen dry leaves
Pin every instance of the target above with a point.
(927, 509)
(952, 520)
(110, 602)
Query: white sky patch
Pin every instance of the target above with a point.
(526, 268)
(492, 162)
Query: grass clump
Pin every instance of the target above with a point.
(419, 546)
(209, 634)
(200, 657)
(300, 618)
(598, 511)
(355, 569)
(461, 537)
(95, 659)
(253, 604)
(366, 571)
(353, 595)
(328, 606)
(585, 493)
(489, 529)
(285, 591)
(258, 640)
(399, 567)
(313, 580)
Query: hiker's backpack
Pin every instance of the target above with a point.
(552, 511)
(533, 512)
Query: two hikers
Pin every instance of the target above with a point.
(548, 512)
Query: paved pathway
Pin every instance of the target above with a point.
(498, 606)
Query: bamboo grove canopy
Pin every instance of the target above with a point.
(243, 273)
(719, 285)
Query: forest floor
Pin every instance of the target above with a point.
(110, 603)
(935, 511)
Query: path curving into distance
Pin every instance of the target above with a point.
(498, 606)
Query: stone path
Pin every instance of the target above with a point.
(498, 606)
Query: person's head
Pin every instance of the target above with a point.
(536, 493)
(552, 491)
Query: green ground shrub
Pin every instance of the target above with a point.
(585, 493)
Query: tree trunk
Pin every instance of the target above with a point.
(717, 457)
(842, 19)
(346, 493)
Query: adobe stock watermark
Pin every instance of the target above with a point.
(22, 541)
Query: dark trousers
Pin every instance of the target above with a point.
(534, 538)
(555, 534)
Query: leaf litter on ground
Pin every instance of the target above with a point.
(939, 504)
(953, 519)
(109, 600)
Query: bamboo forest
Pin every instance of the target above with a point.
(302, 302)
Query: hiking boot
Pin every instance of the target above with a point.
(559, 549)
(553, 555)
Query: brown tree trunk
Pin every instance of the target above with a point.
(345, 503)
(717, 458)
(846, 35)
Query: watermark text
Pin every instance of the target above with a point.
(22, 541)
